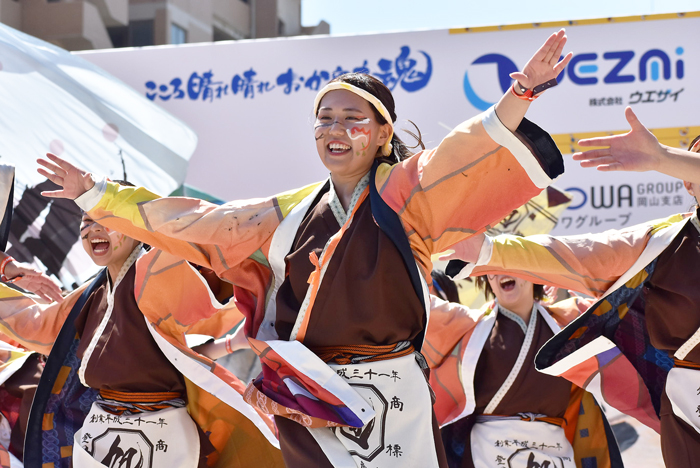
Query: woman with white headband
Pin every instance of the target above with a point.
(332, 277)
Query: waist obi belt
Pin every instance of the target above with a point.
(355, 354)
(127, 403)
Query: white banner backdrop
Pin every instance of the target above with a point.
(250, 101)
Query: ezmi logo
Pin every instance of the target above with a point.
(583, 69)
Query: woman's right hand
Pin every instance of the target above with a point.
(74, 180)
(637, 150)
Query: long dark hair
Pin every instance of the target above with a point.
(375, 87)
(692, 143)
(443, 283)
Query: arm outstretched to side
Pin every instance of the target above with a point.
(639, 151)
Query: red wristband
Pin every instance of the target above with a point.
(4, 263)
(527, 96)
(227, 343)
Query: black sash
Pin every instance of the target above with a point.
(7, 218)
(390, 223)
(33, 442)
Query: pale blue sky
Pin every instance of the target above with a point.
(367, 16)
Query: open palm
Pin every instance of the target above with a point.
(74, 180)
(636, 150)
(545, 64)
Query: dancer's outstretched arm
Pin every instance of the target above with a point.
(639, 151)
(216, 237)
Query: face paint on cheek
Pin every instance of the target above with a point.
(117, 240)
(360, 137)
(320, 129)
(85, 229)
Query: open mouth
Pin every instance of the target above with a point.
(338, 148)
(507, 284)
(99, 246)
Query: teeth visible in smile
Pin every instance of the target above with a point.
(505, 281)
(338, 147)
(98, 241)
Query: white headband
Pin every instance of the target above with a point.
(369, 97)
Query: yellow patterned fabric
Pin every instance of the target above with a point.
(588, 263)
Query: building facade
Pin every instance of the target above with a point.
(103, 24)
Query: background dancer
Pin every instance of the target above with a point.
(332, 277)
(112, 372)
(20, 370)
(492, 404)
(637, 345)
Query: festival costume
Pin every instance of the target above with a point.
(493, 407)
(636, 347)
(20, 369)
(132, 376)
(7, 186)
(304, 275)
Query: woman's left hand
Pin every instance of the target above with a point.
(32, 280)
(545, 64)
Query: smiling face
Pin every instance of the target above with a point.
(348, 134)
(104, 246)
(512, 293)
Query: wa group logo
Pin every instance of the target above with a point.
(621, 66)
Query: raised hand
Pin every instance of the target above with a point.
(74, 180)
(637, 150)
(542, 67)
(33, 280)
(545, 64)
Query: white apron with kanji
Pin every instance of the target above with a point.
(514, 443)
(683, 385)
(401, 433)
(510, 441)
(165, 438)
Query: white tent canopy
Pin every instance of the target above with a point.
(54, 101)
